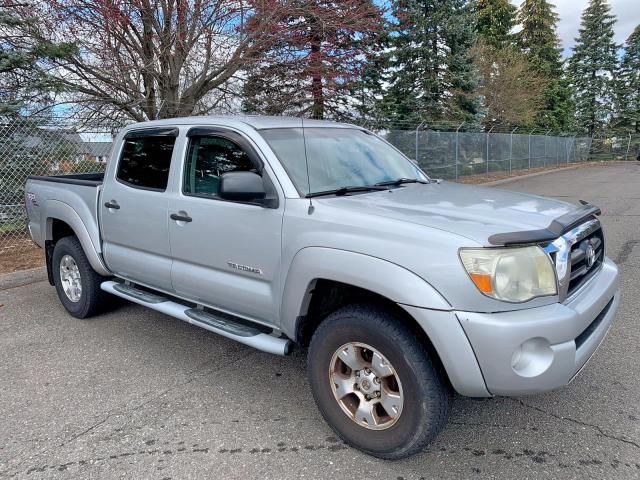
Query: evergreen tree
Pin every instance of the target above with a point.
(495, 20)
(24, 82)
(539, 40)
(593, 67)
(628, 105)
(318, 58)
(431, 75)
(367, 93)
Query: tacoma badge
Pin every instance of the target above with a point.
(244, 268)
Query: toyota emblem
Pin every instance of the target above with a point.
(590, 256)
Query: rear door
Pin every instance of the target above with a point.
(227, 254)
(134, 208)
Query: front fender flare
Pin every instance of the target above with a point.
(371, 273)
(57, 210)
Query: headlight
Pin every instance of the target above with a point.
(510, 274)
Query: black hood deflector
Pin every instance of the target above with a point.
(557, 227)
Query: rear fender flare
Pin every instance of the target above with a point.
(57, 210)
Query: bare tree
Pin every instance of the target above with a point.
(147, 59)
(512, 91)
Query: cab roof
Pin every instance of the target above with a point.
(259, 122)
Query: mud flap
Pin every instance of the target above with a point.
(48, 254)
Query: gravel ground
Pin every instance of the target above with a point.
(136, 394)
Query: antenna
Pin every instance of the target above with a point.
(158, 112)
(306, 160)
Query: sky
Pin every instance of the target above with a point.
(626, 11)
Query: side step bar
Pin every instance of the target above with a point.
(209, 321)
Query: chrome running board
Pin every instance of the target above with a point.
(221, 324)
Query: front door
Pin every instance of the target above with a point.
(134, 209)
(225, 254)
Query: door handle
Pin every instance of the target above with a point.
(112, 204)
(180, 218)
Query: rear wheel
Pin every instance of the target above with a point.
(77, 283)
(375, 384)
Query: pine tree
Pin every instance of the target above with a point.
(431, 75)
(24, 81)
(319, 57)
(495, 20)
(628, 105)
(539, 40)
(538, 37)
(593, 67)
(367, 91)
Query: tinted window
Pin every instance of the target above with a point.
(145, 161)
(207, 159)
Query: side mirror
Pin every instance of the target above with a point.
(242, 187)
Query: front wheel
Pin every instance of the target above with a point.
(375, 384)
(77, 283)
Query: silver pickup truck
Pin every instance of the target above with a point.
(276, 232)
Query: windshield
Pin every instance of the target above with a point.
(338, 158)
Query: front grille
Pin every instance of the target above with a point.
(586, 258)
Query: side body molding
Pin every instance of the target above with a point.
(57, 210)
(380, 276)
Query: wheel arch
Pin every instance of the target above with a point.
(380, 277)
(62, 220)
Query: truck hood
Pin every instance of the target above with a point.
(470, 211)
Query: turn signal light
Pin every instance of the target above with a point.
(483, 282)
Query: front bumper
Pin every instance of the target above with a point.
(540, 349)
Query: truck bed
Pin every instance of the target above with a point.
(86, 179)
(72, 199)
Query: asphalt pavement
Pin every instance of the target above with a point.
(136, 394)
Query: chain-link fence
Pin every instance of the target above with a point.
(615, 147)
(451, 155)
(31, 146)
(40, 147)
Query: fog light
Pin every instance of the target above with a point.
(532, 358)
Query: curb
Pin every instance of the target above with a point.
(530, 175)
(22, 278)
(554, 170)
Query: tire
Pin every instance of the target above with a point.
(426, 395)
(91, 299)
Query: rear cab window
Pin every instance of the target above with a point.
(146, 158)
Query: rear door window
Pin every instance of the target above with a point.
(145, 161)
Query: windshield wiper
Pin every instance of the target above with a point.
(345, 190)
(399, 181)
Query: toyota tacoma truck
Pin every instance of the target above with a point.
(277, 232)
